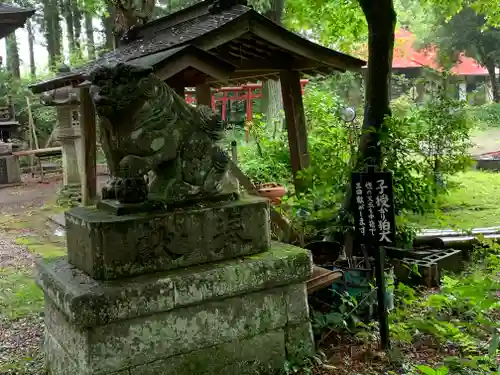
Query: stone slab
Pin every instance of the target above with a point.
(229, 333)
(58, 219)
(87, 302)
(116, 208)
(10, 172)
(260, 354)
(108, 247)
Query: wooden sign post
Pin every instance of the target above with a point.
(375, 224)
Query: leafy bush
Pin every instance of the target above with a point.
(17, 89)
(486, 115)
(266, 158)
(421, 145)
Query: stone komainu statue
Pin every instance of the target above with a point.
(145, 126)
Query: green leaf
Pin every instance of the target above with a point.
(495, 341)
(426, 370)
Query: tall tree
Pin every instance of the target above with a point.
(52, 31)
(128, 14)
(13, 61)
(77, 24)
(272, 101)
(67, 12)
(468, 32)
(107, 21)
(89, 32)
(31, 47)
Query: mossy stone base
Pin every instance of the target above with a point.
(107, 246)
(242, 316)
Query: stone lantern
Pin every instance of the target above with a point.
(10, 172)
(66, 101)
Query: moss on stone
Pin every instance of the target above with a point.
(43, 249)
(87, 302)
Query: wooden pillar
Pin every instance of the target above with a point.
(203, 95)
(89, 134)
(295, 121)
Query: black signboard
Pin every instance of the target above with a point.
(373, 204)
(375, 223)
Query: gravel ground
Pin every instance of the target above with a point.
(13, 255)
(20, 346)
(485, 141)
(30, 195)
(21, 339)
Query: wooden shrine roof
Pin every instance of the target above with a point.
(12, 18)
(232, 45)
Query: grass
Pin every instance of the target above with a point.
(21, 300)
(19, 295)
(40, 248)
(473, 201)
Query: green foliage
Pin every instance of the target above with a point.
(426, 370)
(17, 90)
(268, 147)
(45, 118)
(339, 24)
(486, 115)
(19, 295)
(461, 318)
(440, 124)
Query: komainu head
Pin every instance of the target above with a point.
(118, 87)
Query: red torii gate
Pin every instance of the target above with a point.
(244, 93)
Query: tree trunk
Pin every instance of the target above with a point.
(381, 18)
(52, 31)
(107, 23)
(31, 46)
(77, 23)
(67, 11)
(89, 32)
(490, 66)
(272, 100)
(57, 30)
(46, 31)
(12, 55)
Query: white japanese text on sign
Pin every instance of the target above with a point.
(382, 202)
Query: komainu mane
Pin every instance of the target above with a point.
(145, 126)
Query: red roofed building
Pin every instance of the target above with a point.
(405, 56)
(409, 61)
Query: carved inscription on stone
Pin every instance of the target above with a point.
(169, 237)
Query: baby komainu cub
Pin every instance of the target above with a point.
(146, 127)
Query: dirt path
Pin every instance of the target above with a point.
(28, 196)
(486, 141)
(21, 338)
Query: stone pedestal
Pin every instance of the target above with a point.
(107, 246)
(10, 171)
(222, 299)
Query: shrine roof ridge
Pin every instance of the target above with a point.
(208, 31)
